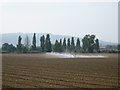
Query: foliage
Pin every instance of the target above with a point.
(48, 46)
(68, 44)
(57, 47)
(42, 40)
(72, 46)
(34, 42)
(77, 49)
(97, 47)
(64, 44)
(8, 48)
(19, 45)
(27, 42)
(61, 46)
(24, 49)
(90, 44)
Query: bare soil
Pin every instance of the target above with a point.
(36, 71)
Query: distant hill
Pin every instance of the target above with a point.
(13, 38)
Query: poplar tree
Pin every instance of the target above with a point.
(72, 46)
(48, 46)
(68, 44)
(34, 42)
(19, 45)
(78, 45)
(42, 40)
(27, 42)
(97, 45)
(64, 44)
(61, 47)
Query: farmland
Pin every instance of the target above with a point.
(40, 71)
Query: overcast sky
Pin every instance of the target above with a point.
(64, 18)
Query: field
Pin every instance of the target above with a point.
(40, 71)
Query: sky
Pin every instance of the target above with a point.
(62, 18)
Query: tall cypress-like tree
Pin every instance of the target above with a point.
(19, 46)
(72, 46)
(64, 44)
(68, 44)
(27, 42)
(56, 47)
(78, 45)
(34, 42)
(61, 47)
(48, 46)
(42, 40)
(97, 45)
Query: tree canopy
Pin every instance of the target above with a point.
(48, 45)
(19, 45)
(8, 48)
(34, 42)
(90, 44)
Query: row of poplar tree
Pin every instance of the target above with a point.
(89, 44)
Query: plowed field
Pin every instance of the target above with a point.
(35, 71)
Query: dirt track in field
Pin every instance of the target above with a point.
(35, 71)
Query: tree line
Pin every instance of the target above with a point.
(89, 45)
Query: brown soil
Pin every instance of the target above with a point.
(35, 71)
